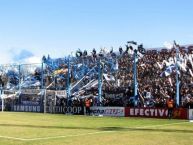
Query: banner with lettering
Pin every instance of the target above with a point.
(26, 108)
(179, 113)
(108, 111)
(76, 110)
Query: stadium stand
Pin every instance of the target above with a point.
(78, 78)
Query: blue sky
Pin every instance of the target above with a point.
(58, 27)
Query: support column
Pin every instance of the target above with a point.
(177, 79)
(68, 81)
(99, 83)
(135, 77)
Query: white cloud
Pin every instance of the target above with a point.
(168, 45)
(33, 59)
(22, 56)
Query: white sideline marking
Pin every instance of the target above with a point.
(53, 137)
(64, 136)
(91, 133)
(13, 138)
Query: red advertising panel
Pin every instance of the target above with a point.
(179, 113)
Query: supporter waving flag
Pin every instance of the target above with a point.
(169, 70)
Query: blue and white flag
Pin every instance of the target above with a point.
(169, 70)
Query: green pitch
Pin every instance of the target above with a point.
(51, 129)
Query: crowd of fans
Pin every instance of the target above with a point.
(156, 77)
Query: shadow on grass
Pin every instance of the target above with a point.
(100, 128)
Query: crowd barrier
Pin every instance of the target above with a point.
(179, 113)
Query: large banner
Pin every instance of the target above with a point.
(108, 111)
(60, 94)
(191, 114)
(179, 113)
(30, 91)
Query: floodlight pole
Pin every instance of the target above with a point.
(99, 83)
(177, 76)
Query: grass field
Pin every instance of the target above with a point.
(51, 129)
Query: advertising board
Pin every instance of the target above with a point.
(179, 113)
(108, 111)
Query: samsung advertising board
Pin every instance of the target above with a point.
(26, 108)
